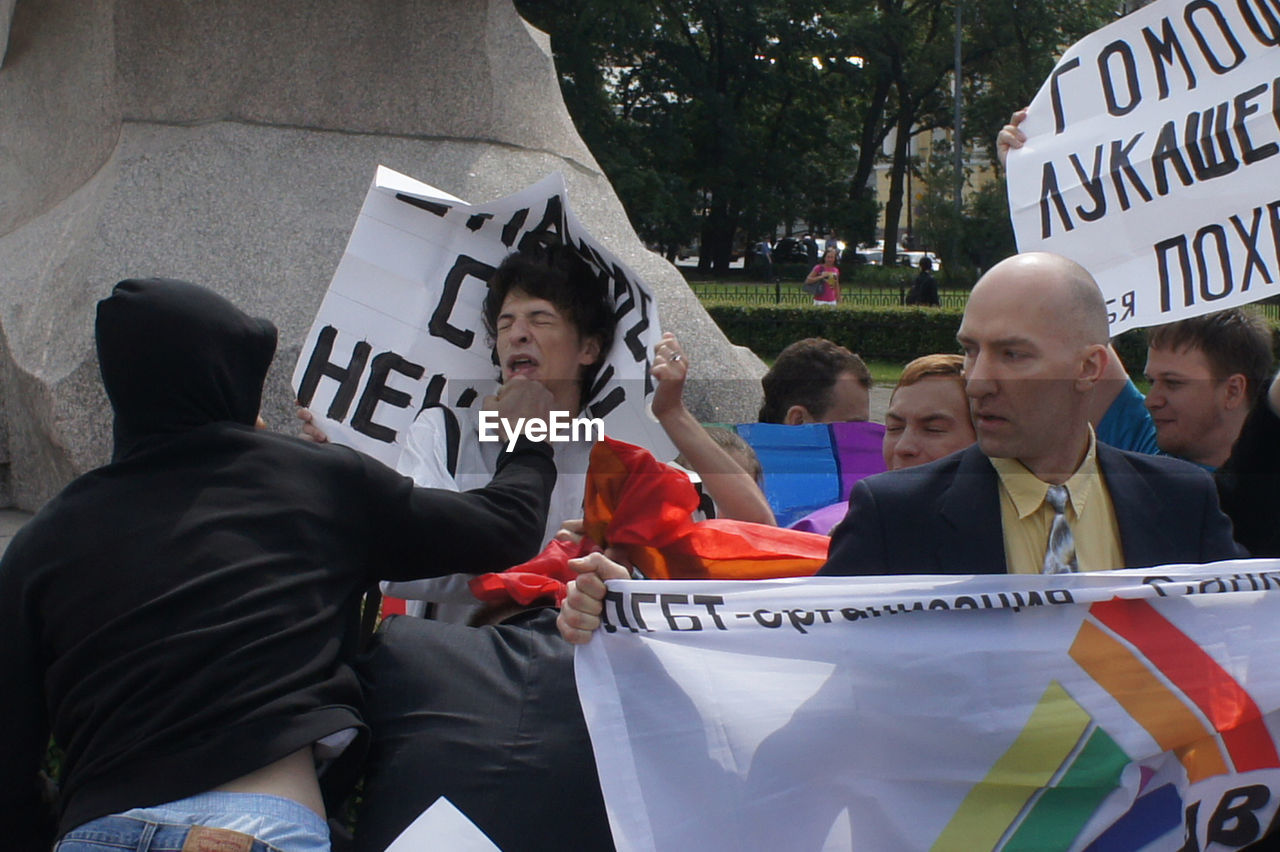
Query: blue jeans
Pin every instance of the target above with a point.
(275, 825)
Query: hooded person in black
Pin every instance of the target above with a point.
(182, 619)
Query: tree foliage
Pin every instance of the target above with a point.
(722, 121)
(979, 236)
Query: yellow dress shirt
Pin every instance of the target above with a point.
(1027, 517)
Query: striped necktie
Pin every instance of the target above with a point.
(1060, 554)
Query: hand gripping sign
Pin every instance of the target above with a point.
(400, 327)
(1153, 159)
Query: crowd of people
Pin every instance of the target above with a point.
(195, 647)
(1040, 401)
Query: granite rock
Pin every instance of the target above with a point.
(6, 15)
(232, 144)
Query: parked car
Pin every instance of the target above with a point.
(874, 257)
(789, 250)
(913, 258)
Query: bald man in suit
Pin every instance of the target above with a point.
(1034, 336)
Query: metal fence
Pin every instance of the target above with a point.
(792, 294)
(748, 293)
(1269, 310)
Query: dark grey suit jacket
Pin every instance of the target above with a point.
(944, 517)
(488, 717)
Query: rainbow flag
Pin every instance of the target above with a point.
(1128, 710)
(809, 467)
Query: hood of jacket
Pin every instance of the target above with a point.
(176, 356)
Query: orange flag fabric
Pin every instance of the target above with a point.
(642, 508)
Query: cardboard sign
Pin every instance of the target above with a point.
(400, 327)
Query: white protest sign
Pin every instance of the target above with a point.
(400, 328)
(943, 713)
(1153, 160)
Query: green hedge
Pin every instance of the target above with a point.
(886, 334)
(890, 334)
(1132, 348)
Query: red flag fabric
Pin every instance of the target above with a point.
(544, 576)
(643, 509)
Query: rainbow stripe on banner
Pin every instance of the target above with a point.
(1062, 766)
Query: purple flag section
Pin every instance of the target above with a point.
(824, 520)
(858, 452)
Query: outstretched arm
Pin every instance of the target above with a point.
(736, 494)
(428, 532)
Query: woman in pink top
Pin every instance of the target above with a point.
(829, 274)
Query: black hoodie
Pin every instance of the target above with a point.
(186, 614)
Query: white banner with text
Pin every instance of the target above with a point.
(1153, 160)
(1119, 710)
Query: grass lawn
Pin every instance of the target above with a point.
(884, 372)
(887, 372)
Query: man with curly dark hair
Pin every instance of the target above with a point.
(550, 319)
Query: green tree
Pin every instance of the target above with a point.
(937, 223)
(982, 234)
(1007, 49)
(1031, 37)
(741, 115)
(625, 121)
(726, 119)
